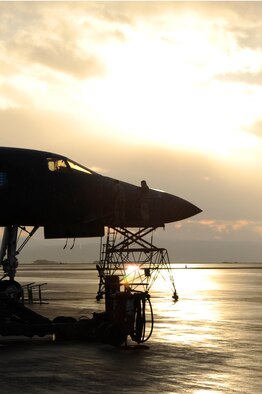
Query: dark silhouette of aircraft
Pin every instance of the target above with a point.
(69, 200)
(42, 189)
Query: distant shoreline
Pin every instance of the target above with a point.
(55, 265)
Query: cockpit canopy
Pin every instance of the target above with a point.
(58, 164)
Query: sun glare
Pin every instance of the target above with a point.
(161, 91)
(131, 269)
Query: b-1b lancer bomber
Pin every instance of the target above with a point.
(42, 189)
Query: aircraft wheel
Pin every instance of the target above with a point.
(11, 290)
(64, 319)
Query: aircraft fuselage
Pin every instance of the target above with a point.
(69, 200)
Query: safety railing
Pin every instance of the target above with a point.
(32, 293)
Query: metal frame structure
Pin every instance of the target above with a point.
(132, 256)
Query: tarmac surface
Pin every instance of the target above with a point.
(208, 342)
(43, 366)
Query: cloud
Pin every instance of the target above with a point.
(216, 226)
(258, 229)
(210, 229)
(249, 78)
(54, 40)
(225, 227)
(250, 36)
(246, 23)
(256, 128)
(66, 59)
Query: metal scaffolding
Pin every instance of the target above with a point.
(132, 256)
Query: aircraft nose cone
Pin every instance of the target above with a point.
(176, 208)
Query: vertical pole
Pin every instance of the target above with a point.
(4, 245)
(40, 294)
(9, 245)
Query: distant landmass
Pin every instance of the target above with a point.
(45, 262)
(53, 262)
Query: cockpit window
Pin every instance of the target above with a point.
(62, 165)
(77, 167)
(56, 164)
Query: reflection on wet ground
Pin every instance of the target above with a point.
(208, 342)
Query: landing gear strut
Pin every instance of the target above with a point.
(9, 249)
(10, 290)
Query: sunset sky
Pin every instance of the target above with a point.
(170, 92)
